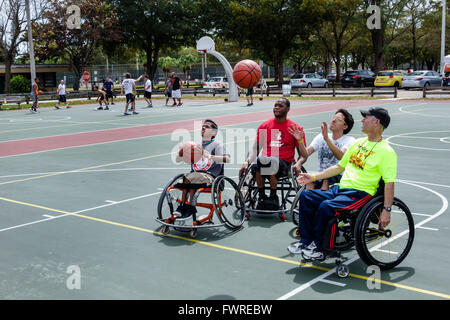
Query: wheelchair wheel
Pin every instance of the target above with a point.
(294, 206)
(248, 189)
(387, 247)
(228, 202)
(169, 200)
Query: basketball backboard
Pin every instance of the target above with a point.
(205, 44)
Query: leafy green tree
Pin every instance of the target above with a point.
(154, 26)
(184, 62)
(268, 27)
(165, 63)
(336, 17)
(77, 46)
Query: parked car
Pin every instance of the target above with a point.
(422, 78)
(219, 83)
(446, 79)
(308, 80)
(389, 78)
(358, 78)
(331, 77)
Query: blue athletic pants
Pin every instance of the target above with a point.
(317, 208)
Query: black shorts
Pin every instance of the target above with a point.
(249, 92)
(169, 94)
(101, 97)
(269, 166)
(130, 97)
(109, 95)
(147, 95)
(62, 98)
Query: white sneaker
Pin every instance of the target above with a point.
(310, 247)
(296, 248)
(312, 253)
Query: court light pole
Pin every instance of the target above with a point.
(30, 42)
(444, 14)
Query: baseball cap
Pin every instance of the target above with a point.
(379, 113)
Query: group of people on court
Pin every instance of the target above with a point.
(349, 174)
(104, 94)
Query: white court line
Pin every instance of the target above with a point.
(386, 251)
(333, 283)
(78, 212)
(348, 262)
(48, 216)
(428, 228)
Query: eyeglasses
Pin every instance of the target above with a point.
(339, 119)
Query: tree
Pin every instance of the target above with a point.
(165, 63)
(54, 39)
(268, 27)
(158, 25)
(393, 25)
(336, 17)
(184, 62)
(13, 26)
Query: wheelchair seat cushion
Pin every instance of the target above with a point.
(195, 180)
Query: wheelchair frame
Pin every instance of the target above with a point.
(286, 184)
(204, 221)
(353, 229)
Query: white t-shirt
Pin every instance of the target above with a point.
(148, 84)
(325, 155)
(61, 89)
(128, 85)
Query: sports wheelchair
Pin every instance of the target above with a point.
(287, 185)
(226, 202)
(385, 248)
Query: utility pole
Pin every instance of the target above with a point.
(30, 42)
(444, 14)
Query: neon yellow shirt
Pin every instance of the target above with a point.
(365, 162)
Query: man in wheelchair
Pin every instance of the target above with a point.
(330, 147)
(204, 171)
(365, 162)
(277, 142)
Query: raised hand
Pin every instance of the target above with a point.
(296, 132)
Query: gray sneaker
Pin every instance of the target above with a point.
(312, 253)
(296, 248)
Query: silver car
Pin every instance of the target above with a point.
(420, 79)
(308, 80)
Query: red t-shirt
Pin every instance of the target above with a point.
(279, 143)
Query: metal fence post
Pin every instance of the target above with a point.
(395, 92)
(424, 95)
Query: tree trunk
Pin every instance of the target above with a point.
(279, 71)
(378, 48)
(8, 64)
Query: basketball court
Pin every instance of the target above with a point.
(79, 191)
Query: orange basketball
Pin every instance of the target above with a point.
(246, 73)
(190, 152)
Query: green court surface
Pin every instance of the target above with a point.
(92, 208)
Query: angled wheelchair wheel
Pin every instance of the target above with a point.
(228, 202)
(388, 247)
(248, 189)
(294, 205)
(169, 200)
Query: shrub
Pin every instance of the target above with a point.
(20, 84)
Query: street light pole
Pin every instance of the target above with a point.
(30, 42)
(444, 14)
